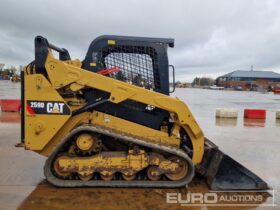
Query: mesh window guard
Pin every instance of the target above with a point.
(138, 65)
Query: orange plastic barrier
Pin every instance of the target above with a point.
(10, 105)
(255, 113)
(277, 90)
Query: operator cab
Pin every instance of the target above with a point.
(135, 60)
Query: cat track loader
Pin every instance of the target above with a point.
(109, 121)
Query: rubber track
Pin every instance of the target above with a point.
(118, 183)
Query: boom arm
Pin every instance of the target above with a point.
(62, 74)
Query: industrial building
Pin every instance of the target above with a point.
(249, 80)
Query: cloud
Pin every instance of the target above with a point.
(211, 36)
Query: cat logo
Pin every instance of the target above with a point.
(55, 107)
(47, 107)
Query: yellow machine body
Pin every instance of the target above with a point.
(49, 128)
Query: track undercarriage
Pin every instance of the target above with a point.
(85, 158)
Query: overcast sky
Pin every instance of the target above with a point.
(212, 37)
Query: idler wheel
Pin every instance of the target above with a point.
(129, 177)
(86, 178)
(107, 177)
(181, 171)
(153, 173)
(58, 170)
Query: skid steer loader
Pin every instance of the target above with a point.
(109, 121)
